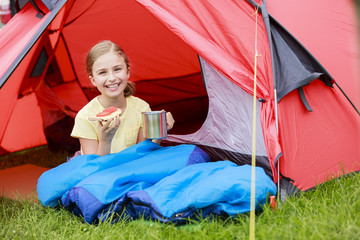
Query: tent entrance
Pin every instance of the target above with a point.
(185, 97)
(226, 134)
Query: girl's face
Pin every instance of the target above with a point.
(110, 75)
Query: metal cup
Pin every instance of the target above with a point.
(154, 123)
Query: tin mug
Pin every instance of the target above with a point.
(154, 124)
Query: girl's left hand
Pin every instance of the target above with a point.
(108, 129)
(169, 121)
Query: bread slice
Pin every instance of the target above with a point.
(106, 117)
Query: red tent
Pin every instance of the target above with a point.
(196, 59)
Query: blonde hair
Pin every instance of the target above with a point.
(102, 48)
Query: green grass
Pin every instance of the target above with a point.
(331, 211)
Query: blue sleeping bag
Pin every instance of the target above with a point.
(169, 184)
(221, 188)
(91, 195)
(88, 183)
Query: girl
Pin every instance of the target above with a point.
(108, 68)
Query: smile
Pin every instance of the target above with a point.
(113, 86)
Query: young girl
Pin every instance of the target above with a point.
(109, 70)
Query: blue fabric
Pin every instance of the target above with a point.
(53, 183)
(169, 184)
(221, 188)
(110, 184)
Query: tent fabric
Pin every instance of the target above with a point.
(213, 36)
(165, 62)
(228, 125)
(9, 91)
(163, 41)
(329, 34)
(229, 119)
(300, 127)
(294, 66)
(20, 93)
(22, 41)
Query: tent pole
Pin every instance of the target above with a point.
(347, 98)
(265, 16)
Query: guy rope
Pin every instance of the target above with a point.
(253, 154)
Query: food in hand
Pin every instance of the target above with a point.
(108, 114)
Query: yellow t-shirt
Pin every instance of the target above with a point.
(127, 133)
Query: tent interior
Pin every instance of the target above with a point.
(166, 72)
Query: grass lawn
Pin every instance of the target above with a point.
(331, 211)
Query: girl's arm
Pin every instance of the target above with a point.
(140, 137)
(88, 146)
(102, 146)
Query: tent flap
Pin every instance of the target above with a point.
(293, 66)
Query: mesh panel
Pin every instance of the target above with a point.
(228, 125)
